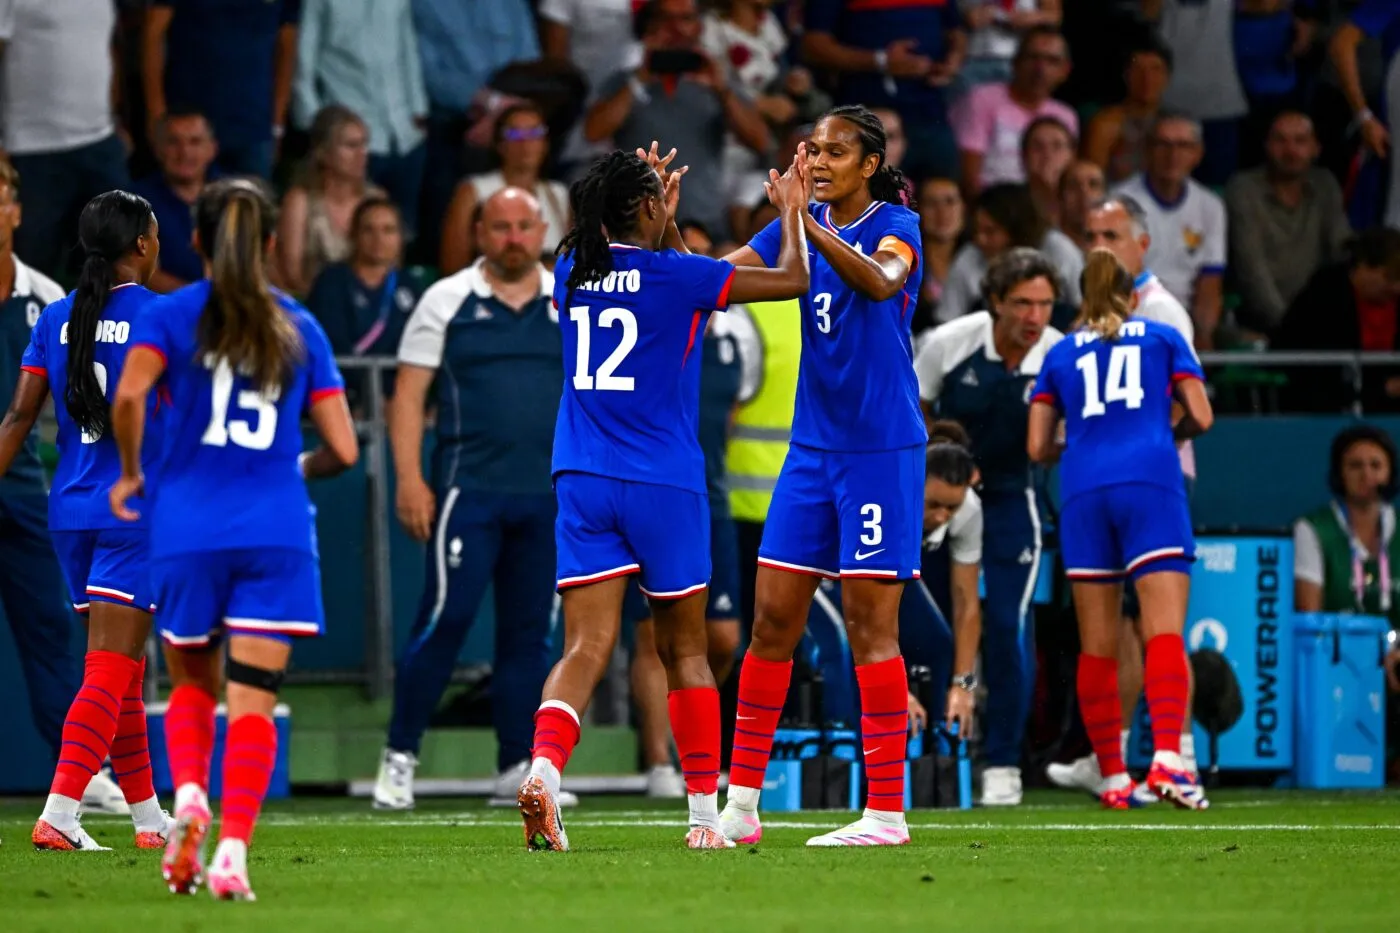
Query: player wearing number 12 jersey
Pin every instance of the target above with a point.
(1124, 512)
(849, 500)
(628, 469)
(233, 544)
(76, 351)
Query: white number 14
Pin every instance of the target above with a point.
(1124, 382)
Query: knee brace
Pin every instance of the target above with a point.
(256, 677)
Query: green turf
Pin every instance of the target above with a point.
(1256, 861)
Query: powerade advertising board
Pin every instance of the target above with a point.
(1242, 606)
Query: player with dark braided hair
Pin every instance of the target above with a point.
(849, 500)
(629, 473)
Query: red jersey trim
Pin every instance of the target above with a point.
(690, 342)
(1182, 377)
(322, 394)
(1045, 397)
(723, 301)
(36, 370)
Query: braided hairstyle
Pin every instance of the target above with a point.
(605, 204)
(888, 183)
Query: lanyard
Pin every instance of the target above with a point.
(1358, 560)
(386, 304)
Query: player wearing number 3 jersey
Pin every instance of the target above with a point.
(629, 473)
(849, 500)
(1124, 512)
(233, 542)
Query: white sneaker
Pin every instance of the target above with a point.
(1001, 787)
(664, 782)
(740, 825)
(104, 796)
(393, 788)
(1080, 774)
(866, 831)
(49, 838)
(508, 783)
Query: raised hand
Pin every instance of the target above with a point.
(791, 188)
(670, 180)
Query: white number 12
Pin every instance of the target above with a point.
(1124, 382)
(604, 381)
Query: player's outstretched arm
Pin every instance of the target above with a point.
(340, 448)
(1197, 415)
(878, 277)
(1040, 433)
(28, 400)
(144, 365)
(791, 277)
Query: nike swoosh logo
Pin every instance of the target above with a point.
(742, 718)
(862, 555)
(870, 751)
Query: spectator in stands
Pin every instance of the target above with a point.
(992, 119)
(1003, 217)
(1047, 149)
(364, 302)
(316, 211)
(749, 195)
(1349, 305)
(461, 45)
(995, 28)
(1270, 38)
(1376, 19)
(1080, 186)
(522, 147)
(56, 108)
(941, 218)
(596, 37)
(232, 63)
(1286, 220)
(1205, 84)
(897, 55)
(185, 149)
(683, 97)
(363, 55)
(1186, 222)
(896, 143)
(492, 330)
(1116, 139)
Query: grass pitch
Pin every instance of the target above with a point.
(1266, 861)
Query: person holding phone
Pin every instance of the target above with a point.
(683, 96)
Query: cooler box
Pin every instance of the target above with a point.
(281, 784)
(1340, 724)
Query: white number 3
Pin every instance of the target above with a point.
(822, 305)
(873, 533)
(221, 430)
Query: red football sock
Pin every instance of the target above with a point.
(250, 752)
(695, 725)
(1165, 683)
(763, 689)
(556, 732)
(1101, 710)
(189, 735)
(884, 731)
(131, 758)
(91, 722)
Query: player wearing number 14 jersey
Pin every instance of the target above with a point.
(628, 469)
(233, 544)
(1124, 512)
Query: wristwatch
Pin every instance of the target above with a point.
(966, 681)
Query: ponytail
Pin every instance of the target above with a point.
(242, 324)
(1108, 294)
(891, 185)
(108, 230)
(605, 203)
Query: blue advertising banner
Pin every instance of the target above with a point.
(1242, 606)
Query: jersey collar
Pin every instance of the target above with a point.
(1143, 278)
(826, 218)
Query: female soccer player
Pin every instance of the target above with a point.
(233, 541)
(76, 350)
(1124, 511)
(628, 468)
(848, 502)
(979, 370)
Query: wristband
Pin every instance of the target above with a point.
(882, 62)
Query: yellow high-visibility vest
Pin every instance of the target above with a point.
(758, 442)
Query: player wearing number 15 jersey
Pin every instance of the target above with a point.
(1124, 512)
(849, 500)
(628, 469)
(233, 543)
(76, 351)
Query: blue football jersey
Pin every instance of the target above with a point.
(229, 476)
(856, 388)
(88, 466)
(1116, 398)
(631, 400)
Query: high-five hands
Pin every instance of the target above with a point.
(670, 180)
